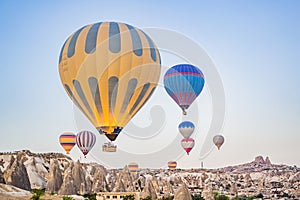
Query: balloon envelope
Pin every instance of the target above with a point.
(172, 165)
(133, 167)
(184, 83)
(218, 140)
(109, 70)
(187, 144)
(85, 141)
(186, 128)
(67, 140)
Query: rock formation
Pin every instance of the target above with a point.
(259, 160)
(55, 178)
(207, 192)
(149, 190)
(66, 177)
(267, 161)
(100, 183)
(155, 184)
(68, 187)
(16, 174)
(167, 188)
(119, 186)
(36, 173)
(2, 177)
(80, 182)
(183, 193)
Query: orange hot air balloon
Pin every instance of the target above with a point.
(172, 165)
(133, 167)
(67, 140)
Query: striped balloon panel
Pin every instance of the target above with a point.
(186, 128)
(187, 144)
(133, 167)
(85, 141)
(218, 140)
(109, 70)
(67, 141)
(184, 83)
(172, 165)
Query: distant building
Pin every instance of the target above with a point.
(116, 195)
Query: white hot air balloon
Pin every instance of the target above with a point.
(187, 144)
(85, 141)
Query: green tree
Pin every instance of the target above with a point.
(67, 198)
(260, 195)
(147, 198)
(37, 193)
(90, 196)
(197, 197)
(218, 196)
(129, 197)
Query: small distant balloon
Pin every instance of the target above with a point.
(187, 144)
(67, 140)
(133, 167)
(183, 83)
(172, 165)
(218, 141)
(186, 128)
(85, 141)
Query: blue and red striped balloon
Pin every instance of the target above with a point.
(184, 82)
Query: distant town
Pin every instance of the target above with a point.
(25, 174)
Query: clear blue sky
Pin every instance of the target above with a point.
(255, 46)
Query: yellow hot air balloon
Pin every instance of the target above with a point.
(109, 70)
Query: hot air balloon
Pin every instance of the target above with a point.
(85, 141)
(218, 141)
(172, 165)
(133, 167)
(187, 144)
(67, 140)
(186, 128)
(184, 83)
(109, 70)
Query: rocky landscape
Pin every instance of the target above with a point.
(58, 174)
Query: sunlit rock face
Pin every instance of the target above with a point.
(149, 190)
(16, 174)
(183, 193)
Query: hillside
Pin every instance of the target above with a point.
(58, 174)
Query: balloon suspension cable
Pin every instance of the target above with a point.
(97, 160)
(183, 110)
(207, 154)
